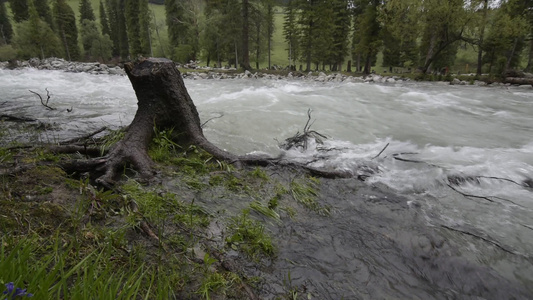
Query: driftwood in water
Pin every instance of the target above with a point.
(518, 80)
(44, 102)
(300, 140)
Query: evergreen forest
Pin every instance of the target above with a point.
(486, 36)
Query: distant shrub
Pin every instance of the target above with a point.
(7, 52)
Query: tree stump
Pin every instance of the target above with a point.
(163, 103)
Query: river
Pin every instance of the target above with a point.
(462, 156)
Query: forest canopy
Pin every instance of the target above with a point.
(490, 36)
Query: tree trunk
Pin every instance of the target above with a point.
(510, 58)
(163, 102)
(245, 35)
(519, 80)
(529, 67)
(481, 38)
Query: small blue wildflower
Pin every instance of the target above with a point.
(13, 292)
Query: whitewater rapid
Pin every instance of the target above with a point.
(481, 136)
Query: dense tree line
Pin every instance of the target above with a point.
(424, 34)
(319, 34)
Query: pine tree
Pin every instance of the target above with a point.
(112, 13)
(322, 34)
(341, 30)
(213, 40)
(246, 35)
(122, 29)
(45, 12)
(307, 24)
(86, 11)
(67, 29)
(400, 32)
(6, 30)
(117, 26)
(145, 34)
(177, 27)
(20, 10)
(367, 31)
(133, 27)
(291, 32)
(103, 20)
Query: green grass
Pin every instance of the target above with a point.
(305, 193)
(60, 270)
(250, 236)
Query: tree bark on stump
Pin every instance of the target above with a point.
(163, 103)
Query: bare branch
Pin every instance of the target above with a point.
(218, 117)
(45, 104)
(381, 151)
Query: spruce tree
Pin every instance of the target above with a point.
(6, 30)
(103, 20)
(20, 10)
(117, 25)
(133, 27)
(175, 22)
(45, 12)
(367, 31)
(67, 29)
(122, 29)
(86, 11)
(291, 31)
(112, 14)
(145, 34)
(341, 30)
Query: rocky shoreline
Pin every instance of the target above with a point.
(97, 68)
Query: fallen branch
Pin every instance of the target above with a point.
(16, 119)
(213, 118)
(381, 151)
(45, 104)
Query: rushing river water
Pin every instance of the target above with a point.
(463, 155)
